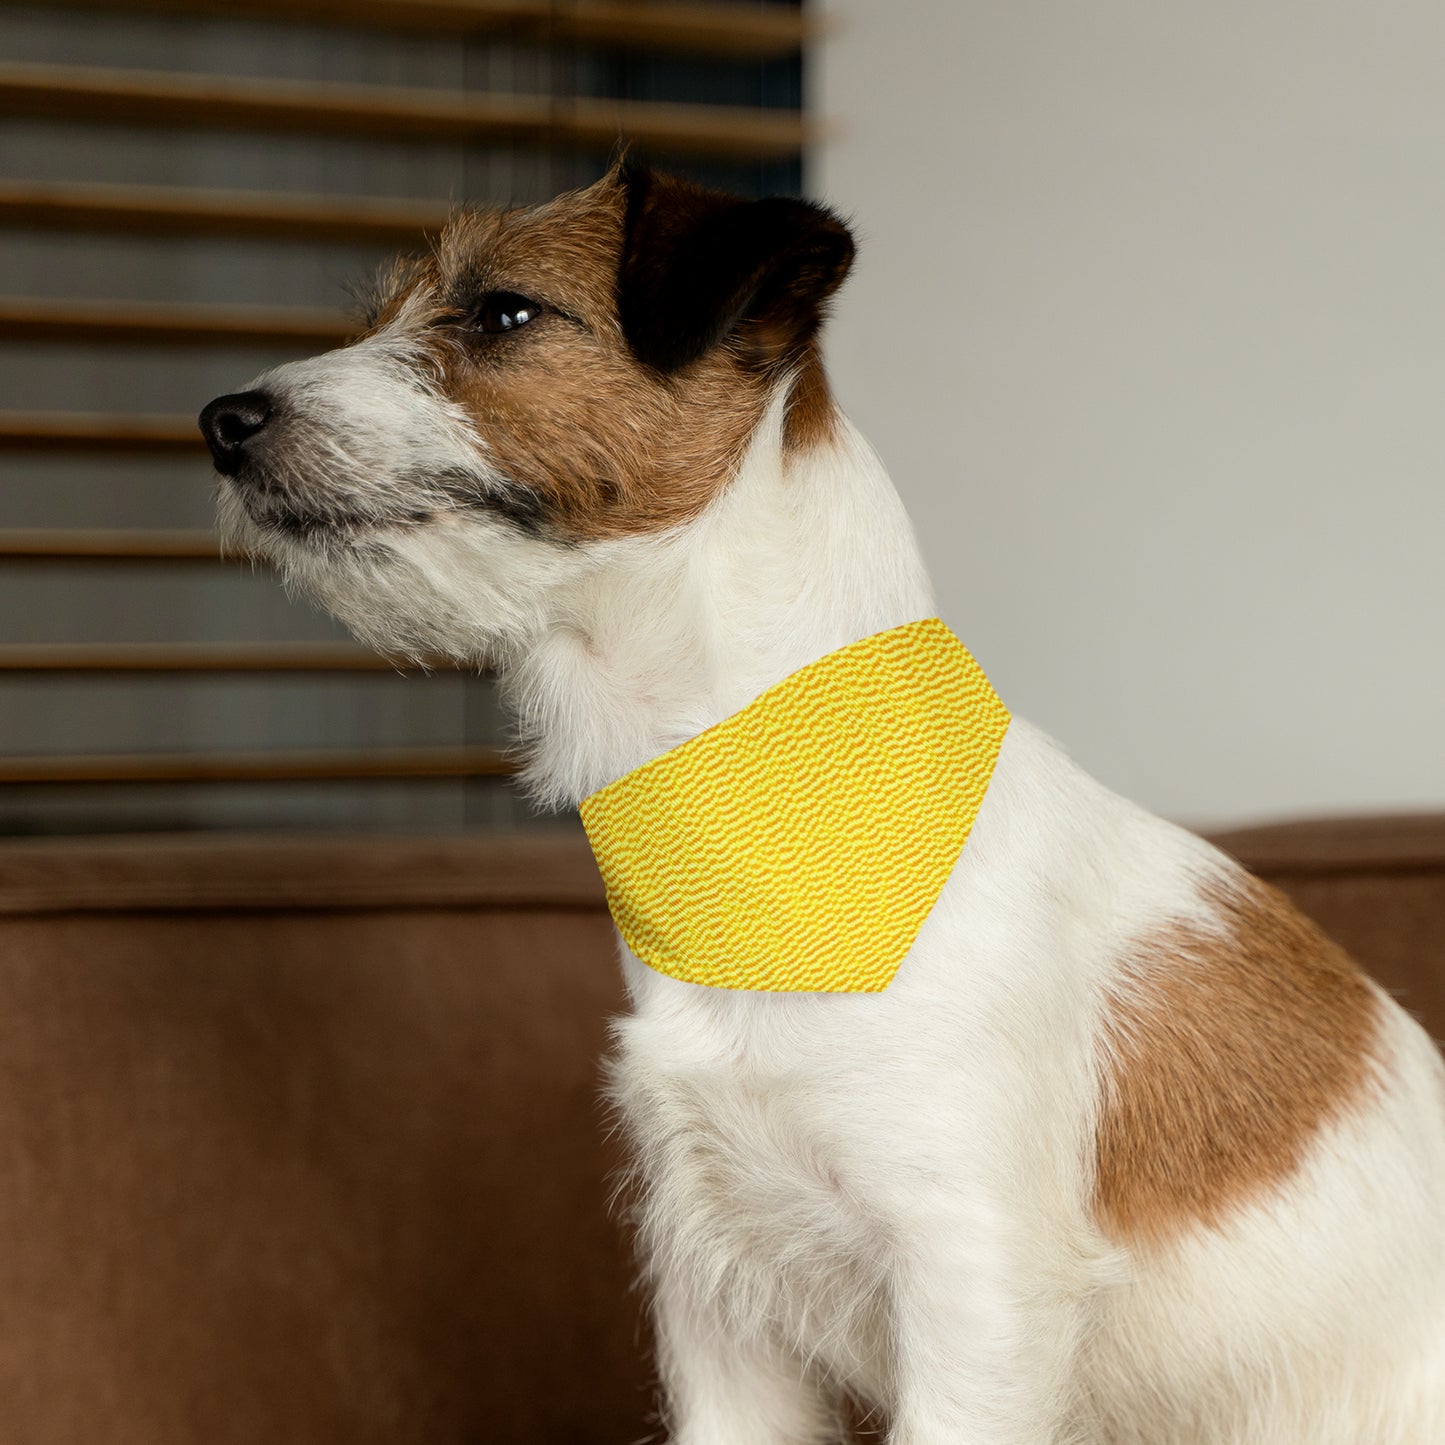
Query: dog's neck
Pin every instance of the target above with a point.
(803, 554)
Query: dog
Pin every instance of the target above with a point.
(1127, 1153)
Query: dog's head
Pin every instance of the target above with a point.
(546, 384)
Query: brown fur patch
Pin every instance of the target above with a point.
(1227, 1052)
(604, 445)
(812, 413)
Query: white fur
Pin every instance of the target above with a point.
(890, 1194)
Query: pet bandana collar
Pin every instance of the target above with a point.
(799, 844)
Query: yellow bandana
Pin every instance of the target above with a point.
(800, 843)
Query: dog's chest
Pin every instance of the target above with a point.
(743, 1187)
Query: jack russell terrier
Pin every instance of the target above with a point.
(1103, 1143)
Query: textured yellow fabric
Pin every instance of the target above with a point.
(800, 843)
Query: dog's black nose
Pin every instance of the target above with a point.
(229, 422)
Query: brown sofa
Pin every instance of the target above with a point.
(300, 1139)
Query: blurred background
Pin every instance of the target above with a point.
(1147, 323)
(301, 1009)
(187, 191)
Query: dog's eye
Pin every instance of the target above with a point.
(504, 311)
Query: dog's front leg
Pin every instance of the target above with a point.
(984, 1348)
(722, 1387)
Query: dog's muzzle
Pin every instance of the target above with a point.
(230, 422)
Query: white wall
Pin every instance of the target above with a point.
(1149, 323)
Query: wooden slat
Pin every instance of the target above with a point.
(80, 431)
(754, 32)
(75, 544)
(171, 323)
(133, 657)
(218, 102)
(713, 29)
(258, 767)
(551, 868)
(177, 211)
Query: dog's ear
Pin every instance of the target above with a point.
(699, 266)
